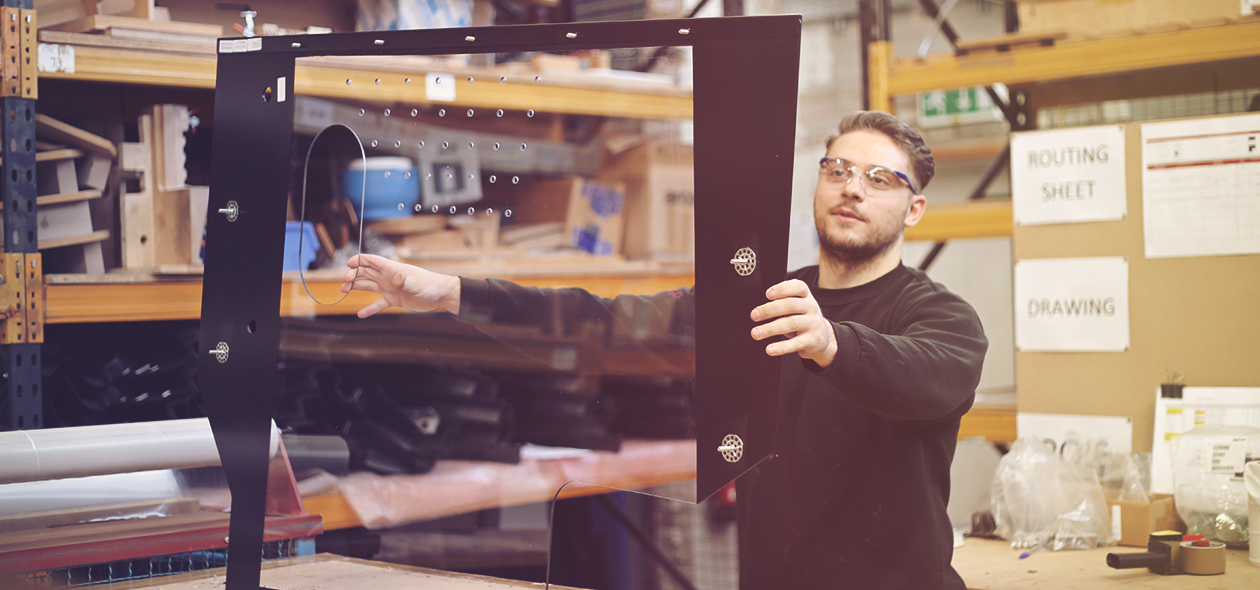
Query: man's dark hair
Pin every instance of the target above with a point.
(909, 140)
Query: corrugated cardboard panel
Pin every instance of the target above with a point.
(1196, 315)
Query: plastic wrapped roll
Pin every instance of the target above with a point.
(55, 453)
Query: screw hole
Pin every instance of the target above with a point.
(253, 325)
(267, 94)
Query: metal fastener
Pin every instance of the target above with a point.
(220, 352)
(745, 261)
(232, 211)
(732, 448)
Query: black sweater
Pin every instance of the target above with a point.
(856, 496)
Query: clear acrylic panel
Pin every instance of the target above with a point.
(526, 175)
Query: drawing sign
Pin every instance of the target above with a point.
(1068, 175)
(1072, 304)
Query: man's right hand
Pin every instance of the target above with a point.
(401, 285)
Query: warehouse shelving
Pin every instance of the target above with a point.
(1042, 71)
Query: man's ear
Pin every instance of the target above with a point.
(918, 205)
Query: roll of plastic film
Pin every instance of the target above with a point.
(1202, 560)
(80, 451)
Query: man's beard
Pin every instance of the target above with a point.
(855, 254)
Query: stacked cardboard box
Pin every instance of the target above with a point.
(660, 198)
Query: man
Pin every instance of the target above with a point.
(868, 414)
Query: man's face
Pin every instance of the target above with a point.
(854, 223)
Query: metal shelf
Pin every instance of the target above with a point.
(1082, 70)
(120, 297)
(562, 92)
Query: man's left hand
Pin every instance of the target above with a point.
(799, 319)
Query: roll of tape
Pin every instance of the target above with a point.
(1202, 561)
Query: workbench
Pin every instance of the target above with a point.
(992, 565)
(333, 572)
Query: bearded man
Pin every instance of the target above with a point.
(879, 365)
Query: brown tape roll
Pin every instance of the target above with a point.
(1202, 561)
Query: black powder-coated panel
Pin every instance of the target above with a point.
(745, 117)
(240, 304)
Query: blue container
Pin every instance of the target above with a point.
(310, 245)
(393, 187)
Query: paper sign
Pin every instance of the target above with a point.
(1116, 430)
(1068, 175)
(1072, 305)
(1201, 187)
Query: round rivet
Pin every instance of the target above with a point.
(732, 448)
(745, 261)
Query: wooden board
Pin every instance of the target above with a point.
(136, 222)
(171, 230)
(1092, 16)
(66, 37)
(58, 131)
(332, 572)
(96, 236)
(1194, 314)
(1007, 41)
(67, 197)
(104, 22)
(992, 565)
(61, 154)
(411, 224)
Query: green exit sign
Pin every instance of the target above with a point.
(953, 107)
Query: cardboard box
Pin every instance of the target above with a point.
(592, 212)
(1139, 519)
(659, 177)
(1092, 17)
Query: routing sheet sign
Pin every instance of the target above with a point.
(1068, 175)
(1201, 187)
(1072, 304)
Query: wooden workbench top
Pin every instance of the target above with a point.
(333, 572)
(992, 565)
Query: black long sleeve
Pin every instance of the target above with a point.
(923, 370)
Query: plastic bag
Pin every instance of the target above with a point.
(1208, 485)
(1121, 479)
(1041, 500)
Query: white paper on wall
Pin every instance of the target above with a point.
(1068, 175)
(1116, 430)
(1201, 187)
(1072, 304)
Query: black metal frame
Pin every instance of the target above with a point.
(744, 97)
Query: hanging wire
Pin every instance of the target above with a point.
(302, 217)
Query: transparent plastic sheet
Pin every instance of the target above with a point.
(647, 539)
(455, 423)
(1210, 491)
(1042, 500)
(60, 502)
